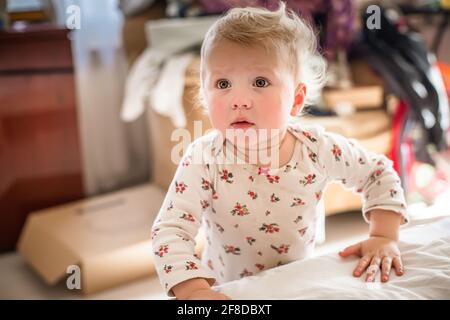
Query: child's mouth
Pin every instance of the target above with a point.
(242, 124)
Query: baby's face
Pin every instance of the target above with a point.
(247, 87)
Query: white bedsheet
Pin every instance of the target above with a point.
(426, 256)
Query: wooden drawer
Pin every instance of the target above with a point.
(36, 93)
(35, 50)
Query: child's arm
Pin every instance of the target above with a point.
(197, 289)
(384, 205)
(381, 247)
(178, 222)
(384, 223)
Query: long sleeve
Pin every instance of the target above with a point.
(178, 222)
(363, 171)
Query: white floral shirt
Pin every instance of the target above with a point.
(257, 218)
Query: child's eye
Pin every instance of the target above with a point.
(223, 84)
(261, 83)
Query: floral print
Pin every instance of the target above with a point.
(261, 217)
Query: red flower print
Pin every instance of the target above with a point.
(154, 233)
(309, 179)
(269, 228)
(268, 212)
(188, 217)
(302, 231)
(246, 273)
(226, 176)
(380, 163)
(190, 265)
(252, 194)
(210, 264)
(274, 198)
(273, 179)
(393, 192)
(251, 178)
(219, 227)
(337, 152)
(375, 174)
(309, 136)
(287, 168)
(298, 202)
(284, 248)
(204, 204)
(205, 184)
(250, 240)
(186, 162)
(259, 266)
(167, 268)
(180, 187)
(298, 219)
(232, 249)
(270, 178)
(312, 156)
(263, 171)
(163, 249)
(240, 210)
(318, 195)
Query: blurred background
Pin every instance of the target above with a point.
(91, 92)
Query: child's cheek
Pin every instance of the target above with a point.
(218, 112)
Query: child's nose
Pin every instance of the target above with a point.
(241, 103)
(240, 106)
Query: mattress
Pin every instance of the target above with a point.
(425, 248)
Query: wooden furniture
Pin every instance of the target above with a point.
(40, 160)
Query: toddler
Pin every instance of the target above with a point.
(258, 194)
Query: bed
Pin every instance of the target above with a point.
(425, 249)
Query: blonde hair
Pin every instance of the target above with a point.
(281, 30)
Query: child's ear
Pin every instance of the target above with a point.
(299, 100)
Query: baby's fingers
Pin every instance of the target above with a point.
(373, 269)
(398, 265)
(351, 250)
(362, 265)
(386, 265)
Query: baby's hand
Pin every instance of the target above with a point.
(374, 252)
(207, 294)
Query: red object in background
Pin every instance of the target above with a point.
(445, 72)
(399, 119)
(402, 152)
(40, 156)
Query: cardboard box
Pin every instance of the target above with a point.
(367, 92)
(108, 237)
(360, 98)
